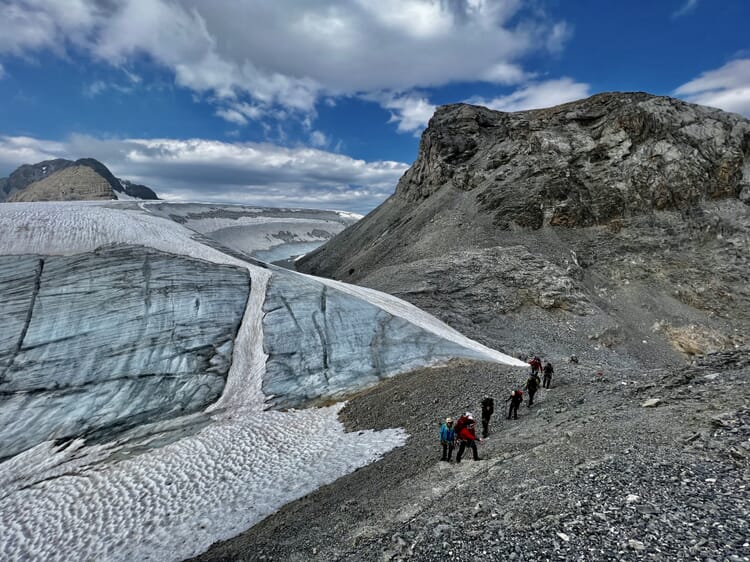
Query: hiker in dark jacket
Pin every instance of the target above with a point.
(447, 439)
(466, 434)
(516, 397)
(548, 370)
(488, 408)
(532, 384)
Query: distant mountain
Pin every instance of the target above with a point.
(97, 182)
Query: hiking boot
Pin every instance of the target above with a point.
(477, 459)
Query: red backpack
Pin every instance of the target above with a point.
(461, 423)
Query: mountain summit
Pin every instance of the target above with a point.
(67, 180)
(579, 210)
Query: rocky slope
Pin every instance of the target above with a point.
(587, 473)
(616, 227)
(75, 183)
(85, 178)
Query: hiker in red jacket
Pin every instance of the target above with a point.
(536, 365)
(466, 434)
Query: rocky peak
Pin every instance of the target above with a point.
(27, 174)
(73, 183)
(585, 162)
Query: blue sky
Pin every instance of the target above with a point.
(320, 103)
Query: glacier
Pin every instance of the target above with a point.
(157, 383)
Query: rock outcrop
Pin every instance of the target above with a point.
(564, 223)
(74, 183)
(91, 180)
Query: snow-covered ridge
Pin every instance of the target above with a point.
(213, 474)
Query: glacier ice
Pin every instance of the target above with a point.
(147, 496)
(323, 342)
(110, 339)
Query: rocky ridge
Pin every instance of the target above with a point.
(75, 183)
(616, 227)
(90, 180)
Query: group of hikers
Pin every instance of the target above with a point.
(464, 429)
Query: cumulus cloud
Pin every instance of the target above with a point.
(291, 53)
(214, 171)
(36, 24)
(537, 95)
(318, 139)
(411, 112)
(727, 87)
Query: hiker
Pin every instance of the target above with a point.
(516, 397)
(536, 365)
(532, 384)
(447, 439)
(488, 408)
(465, 431)
(548, 370)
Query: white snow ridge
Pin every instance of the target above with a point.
(140, 364)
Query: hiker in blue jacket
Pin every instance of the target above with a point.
(447, 439)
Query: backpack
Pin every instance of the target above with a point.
(488, 405)
(461, 423)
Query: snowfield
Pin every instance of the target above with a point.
(170, 491)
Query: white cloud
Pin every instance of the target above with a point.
(727, 87)
(15, 151)
(318, 139)
(98, 87)
(232, 115)
(290, 53)
(208, 170)
(506, 73)
(36, 24)
(685, 9)
(411, 112)
(537, 95)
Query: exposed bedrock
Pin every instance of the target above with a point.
(617, 223)
(98, 342)
(322, 343)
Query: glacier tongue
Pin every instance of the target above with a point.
(102, 341)
(322, 342)
(118, 324)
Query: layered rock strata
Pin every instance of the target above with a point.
(76, 183)
(611, 223)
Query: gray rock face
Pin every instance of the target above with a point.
(321, 343)
(74, 183)
(99, 342)
(612, 224)
(586, 162)
(27, 174)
